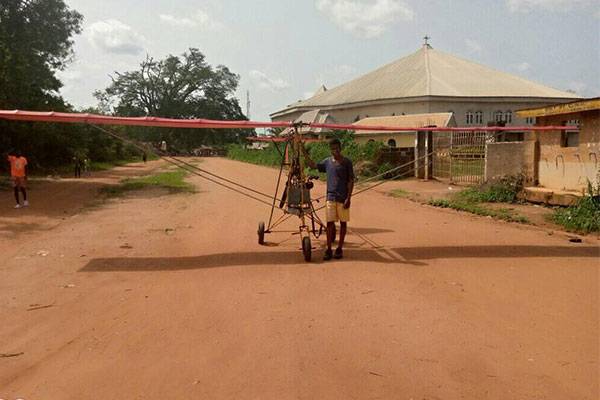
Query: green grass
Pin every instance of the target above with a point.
(399, 193)
(584, 217)
(504, 214)
(473, 200)
(268, 156)
(173, 181)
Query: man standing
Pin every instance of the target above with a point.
(340, 183)
(18, 174)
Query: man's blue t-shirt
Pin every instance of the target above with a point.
(338, 176)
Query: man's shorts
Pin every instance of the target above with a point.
(19, 181)
(337, 212)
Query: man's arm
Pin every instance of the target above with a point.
(350, 185)
(307, 158)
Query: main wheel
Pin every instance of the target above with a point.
(306, 248)
(261, 233)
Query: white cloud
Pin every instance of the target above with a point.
(265, 82)
(473, 46)
(113, 36)
(525, 6)
(364, 18)
(199, 20)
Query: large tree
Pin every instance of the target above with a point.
(35, 42)
(176, 87)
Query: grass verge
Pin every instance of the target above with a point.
(173, 181)
(584, 217)
(473, 200)
(400, 193)
(504, 214)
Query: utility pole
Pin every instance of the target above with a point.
(248, 104)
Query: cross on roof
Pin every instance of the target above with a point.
(426, 38)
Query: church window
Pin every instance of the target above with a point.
(470, 117)
(479, 117)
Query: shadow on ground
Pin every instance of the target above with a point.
(404, 256)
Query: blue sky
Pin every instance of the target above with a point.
(284, 50)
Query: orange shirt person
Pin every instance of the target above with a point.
(18, 174)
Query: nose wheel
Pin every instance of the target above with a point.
(306, 248)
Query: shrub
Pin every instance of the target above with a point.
(585, 215)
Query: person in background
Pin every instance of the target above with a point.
(77, 166)
(18, 174)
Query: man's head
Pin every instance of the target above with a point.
(336, 148)
(18, 153)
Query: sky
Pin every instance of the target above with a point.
(284, 50)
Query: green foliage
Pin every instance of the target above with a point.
(503, 191)
(364, 156)
(399, 193)
(383, 168)
(177, 87)
(35, 42)
(476, 208)
(173, 181)
(268, 156)
(471, 199)
(585, 215)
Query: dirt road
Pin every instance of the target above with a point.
(155, 297)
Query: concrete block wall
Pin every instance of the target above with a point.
(570, 168)
(511, 158)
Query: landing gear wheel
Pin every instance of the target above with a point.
(306, 248)
(261, 233)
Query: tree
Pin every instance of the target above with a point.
(35, 42)
(176, 87)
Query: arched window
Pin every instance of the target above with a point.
(392, 143)
(479, 117)
(498, 116)
(469, 117)
(508, 117)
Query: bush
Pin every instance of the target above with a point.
(268, 156)
(503, 191)
(471, 199)
(585, 215)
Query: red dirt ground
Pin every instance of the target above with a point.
(153, 296)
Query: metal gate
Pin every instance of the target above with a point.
(459, 157)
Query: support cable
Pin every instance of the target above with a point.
(187, 167)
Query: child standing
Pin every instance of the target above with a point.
(18, 173)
